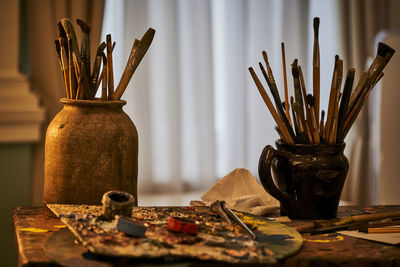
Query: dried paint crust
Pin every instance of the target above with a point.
(215, 240)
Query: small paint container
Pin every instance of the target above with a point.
(117, 203)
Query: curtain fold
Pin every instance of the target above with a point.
(362, 21)
(198, 113)
(44, 70)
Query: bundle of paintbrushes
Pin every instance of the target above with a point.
(82, 81)
(306, 126)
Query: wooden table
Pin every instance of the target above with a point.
(337, 251)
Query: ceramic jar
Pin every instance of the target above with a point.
(91, 148)
(308, 178)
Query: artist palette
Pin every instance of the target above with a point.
(215, 239)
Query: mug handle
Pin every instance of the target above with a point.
(264, 171)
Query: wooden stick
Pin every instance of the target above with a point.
(263, 93)
(285, 83)
(345, 102)
(110, 71)
(383, 230)
(367, 217)
(316, 68)
(104, 82)
(130, 68)
(275, 94)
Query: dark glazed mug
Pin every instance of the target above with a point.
(308, 178)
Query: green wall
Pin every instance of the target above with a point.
(15, 190)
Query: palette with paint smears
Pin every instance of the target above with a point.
(215, 239)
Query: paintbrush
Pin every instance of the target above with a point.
(302, 135)
(270, 106)
(104, 70)
(275, 94)
(360, 226)
(297, 91)
(313, 120)
(73, 44)
(130, 69)
(62, 39)
(110, 71)
(345, 102)
(295, 122)
(384, 54)
(72, 73)
(332, 99)
(84, 85)
(333, 130)
(62, 66)
(96, 67)
(85, 46)
(355, 95)
(352, 115)
(316, 68)
(306, 106)
(285, 83)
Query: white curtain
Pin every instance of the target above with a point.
(197, 111)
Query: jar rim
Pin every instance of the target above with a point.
(311, 148)
(96, 102)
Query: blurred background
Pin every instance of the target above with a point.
(197, 111)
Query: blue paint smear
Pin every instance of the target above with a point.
(274, 239)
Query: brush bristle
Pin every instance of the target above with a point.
(316, 26)
(295, 70)
(101, 47)
(265, 56)
(58, 48)
(384, 49)
(104, 58)
(310, 100)
(61, 32)
(85, 26)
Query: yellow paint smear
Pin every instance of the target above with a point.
(34, 230)
(60, 226)
(337, 239)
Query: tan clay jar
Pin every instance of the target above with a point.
(91, 148)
